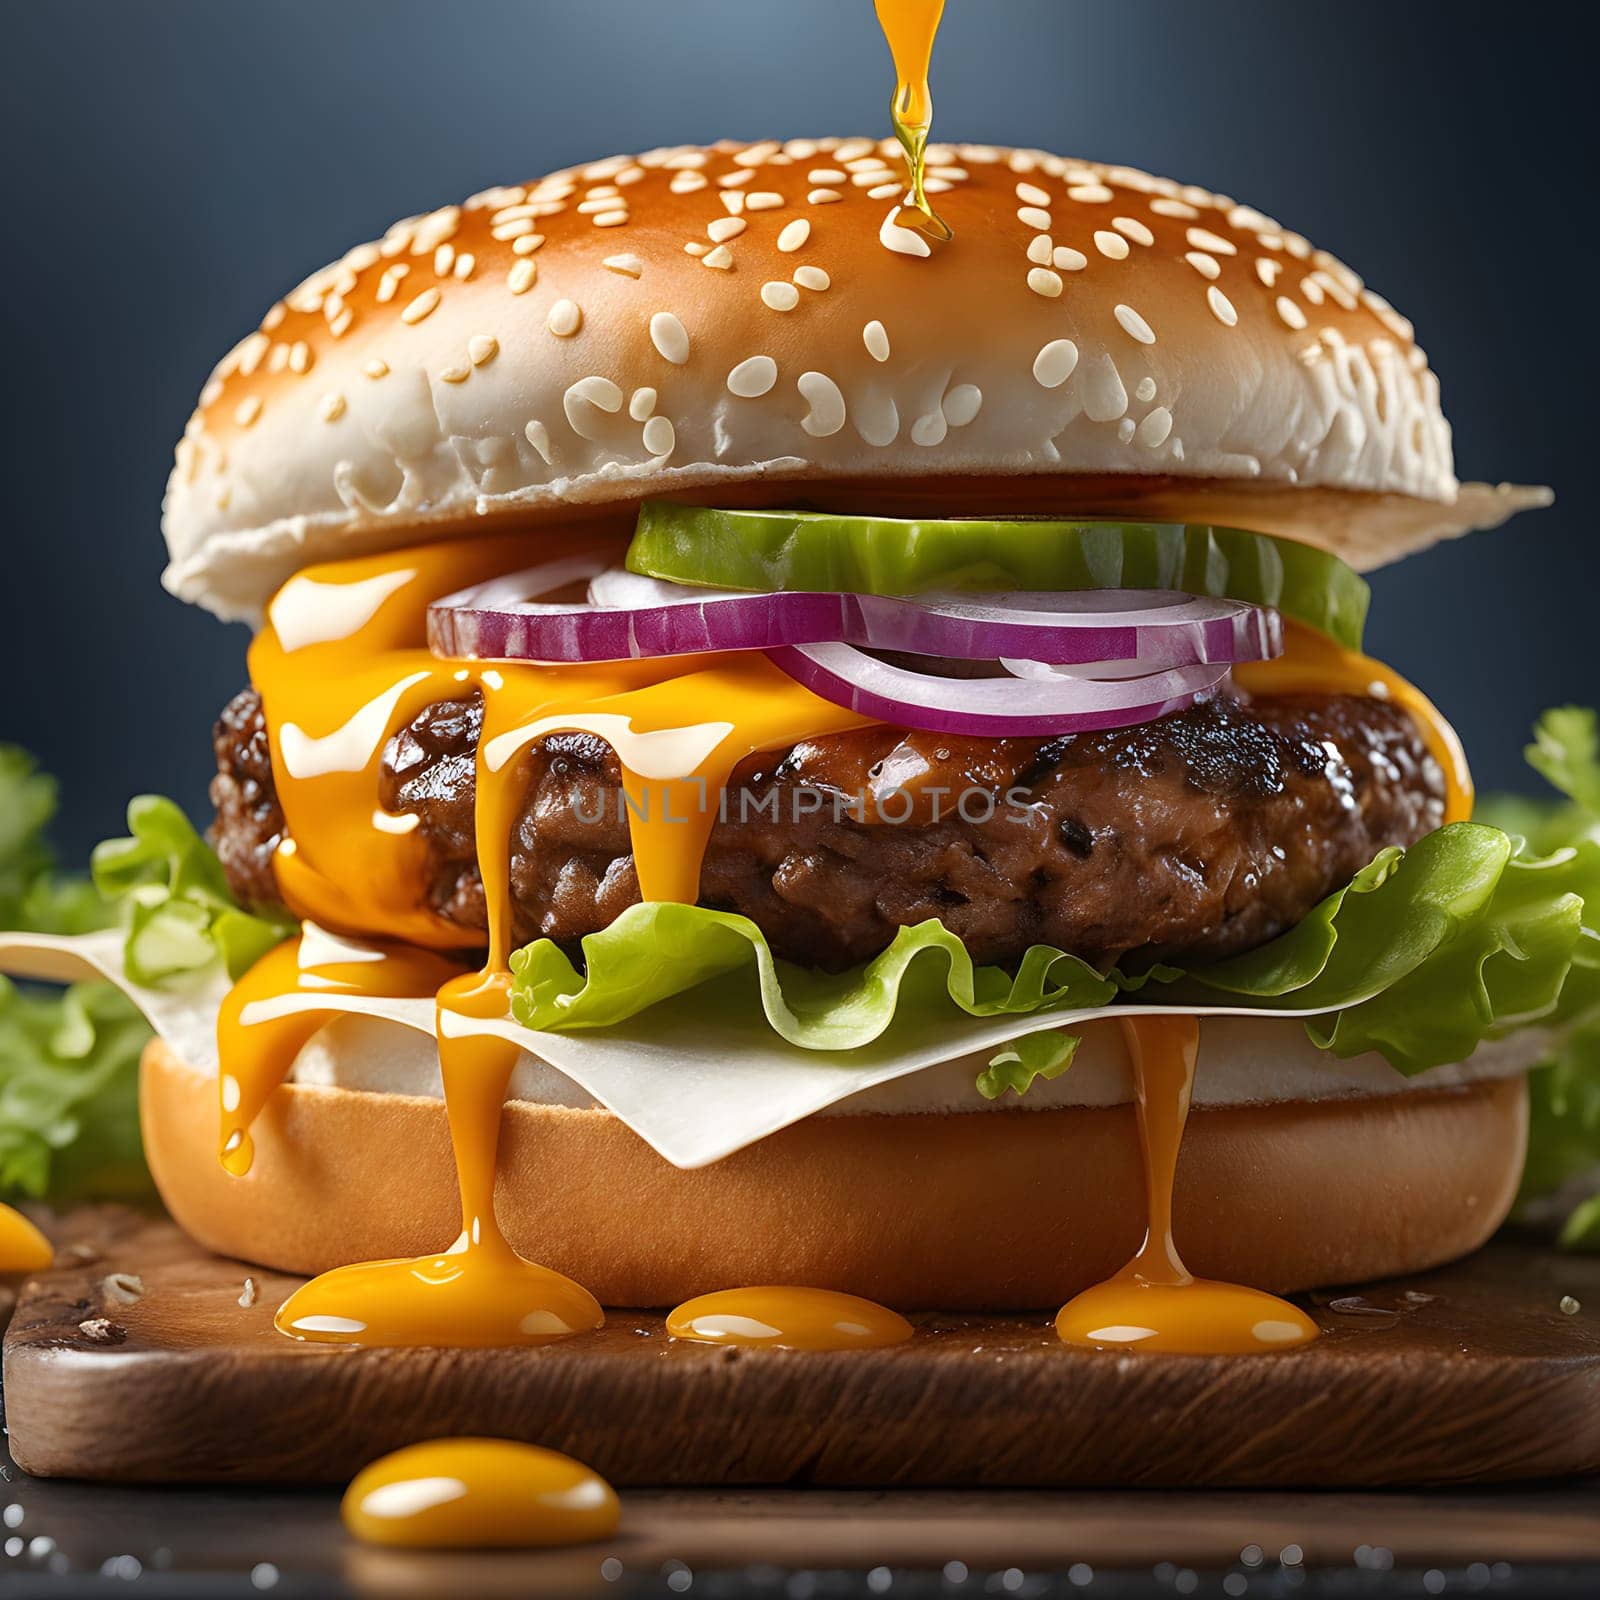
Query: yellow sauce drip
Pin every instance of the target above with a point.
(478, 1494)
(910, 26)
(1312, 663)
(1155, 1302)
(783, 1318)
(342, 665)
(22, 1247)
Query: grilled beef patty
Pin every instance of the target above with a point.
(1192, 837)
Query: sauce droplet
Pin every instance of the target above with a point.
(22, 1247)
(782, 1318)
(910, 27)
(477, 1494)
(1155, 1302)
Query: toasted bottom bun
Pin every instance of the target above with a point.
(989, 1210)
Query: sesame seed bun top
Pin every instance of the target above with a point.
(748, 322)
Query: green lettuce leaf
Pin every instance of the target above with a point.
(69, 1115)
(1566, 753)
(1034, 1055)
(652, 952)
(1431, 950)
(69, 1123)
(177, 909)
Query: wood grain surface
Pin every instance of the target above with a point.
(1473, 1373)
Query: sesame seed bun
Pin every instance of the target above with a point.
(749, 323)
(1287, 1195)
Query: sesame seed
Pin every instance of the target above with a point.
(628, 266)
(1312, 290)
(642, 404)
(876, 338)
(1134, 325)
(695, 248)
(721, 229)
(962, 404)
(721, 258)
(732, 201)
(871, 179)
(764, 200)
(1206, 266)
(1145, 390)
(1090, 193)
(1054, 363)
(753, 377)
(482, 348)
(660, 437)
(596, 391)
(1111, 244)
(930, 429)
(1039, 250)
(527, 244)
(903, 241)
(565, 318)
(688, 182)
(1222, 307)
(247, 411)
(883, 191)
(1133, 229)
(456, 374)
(443, 259)
(539, 437)
(670, 337)
(465, 262)
(421, 307)
(1065, 259)
(1267, 270)
(1204, 239)
(1043, 281)
(1034, 217)
(794, 235)
(389, 283)
(300, 357)
(376, 368)
(827, 175)
(1100, 388)
(1031, 195)
(589, 208)
(823, 197)
(512, 230)
(780, 296)
(279, 359)
(522, 276)
(823, 395)
(812, 278)
(1291, 314)
(611, 219)
(275, 315)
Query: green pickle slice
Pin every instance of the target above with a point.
(820, 550)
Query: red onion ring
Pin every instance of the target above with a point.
(629, 617)
(993, 707)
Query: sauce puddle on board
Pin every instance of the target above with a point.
(342, 666)
(478, 1494)
(910, 27)
(1155, 1302)
(784, 1318)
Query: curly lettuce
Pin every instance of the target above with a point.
(68, 1119)
(654, 951)
(177, 910)
(69, 1124)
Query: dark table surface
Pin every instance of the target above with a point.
(64, 1538)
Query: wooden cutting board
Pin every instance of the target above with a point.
(1471, 1373)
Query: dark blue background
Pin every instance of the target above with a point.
(170, 168)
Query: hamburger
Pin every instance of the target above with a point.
(826, 676)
